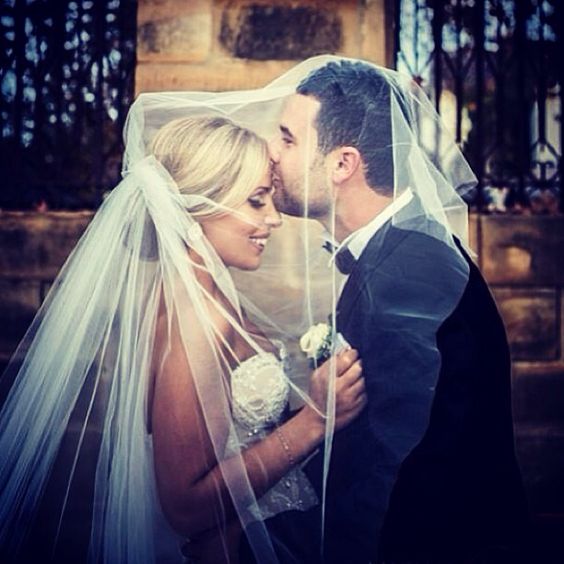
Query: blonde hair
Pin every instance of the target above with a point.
(212, 157)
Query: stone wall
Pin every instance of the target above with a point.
(522, 258)
(33, 247)
(237, 44)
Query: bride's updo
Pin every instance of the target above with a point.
(212, 157)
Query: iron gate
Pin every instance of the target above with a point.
(493, 70)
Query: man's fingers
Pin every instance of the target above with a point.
(362, 401)
(351, 375)
(358, 388)
(345, 360)
(340, 363)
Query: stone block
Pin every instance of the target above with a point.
(531, 321)
(174, 30)
(523, 250)
(223, 75)
(376, 32)
(20, 300)
(538, 392)
(35, 245)
(280, 30)
(351, 15)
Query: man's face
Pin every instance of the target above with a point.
(299, 168)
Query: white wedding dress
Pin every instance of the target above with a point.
(260, 393)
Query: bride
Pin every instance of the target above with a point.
(149, 408)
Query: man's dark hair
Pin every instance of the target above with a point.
(355, 111)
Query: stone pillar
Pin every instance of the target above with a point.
(522, 258)
(217, 45)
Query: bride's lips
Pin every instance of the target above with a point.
(259, 241)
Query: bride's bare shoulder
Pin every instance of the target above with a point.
(187, 325)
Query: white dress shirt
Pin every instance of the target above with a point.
(357, 240)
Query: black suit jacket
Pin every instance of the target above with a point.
(428, 472)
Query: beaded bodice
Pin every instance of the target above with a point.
(260, 392)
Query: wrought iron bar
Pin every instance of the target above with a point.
(522, 141)
(438, 15)
(397, 28)
(560, 42)
(62, 129)
(479, 22)
(500, 59)
(19, 48)
(100, 43)
(458, 76)
(542, 89)
(500, 62)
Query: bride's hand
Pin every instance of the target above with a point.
(350, 393)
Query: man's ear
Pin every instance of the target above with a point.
(346, 161)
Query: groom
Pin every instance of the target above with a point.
(427, 473)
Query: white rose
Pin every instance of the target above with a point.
(313, 340)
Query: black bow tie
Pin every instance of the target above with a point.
(345, 261)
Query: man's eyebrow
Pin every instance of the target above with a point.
(286, 131)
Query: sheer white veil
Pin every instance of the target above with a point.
(77, 460)
(76, 476)
(409, 157)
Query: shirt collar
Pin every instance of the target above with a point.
(357, 240)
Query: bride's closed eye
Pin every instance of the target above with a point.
(256, 201)
(258, 198)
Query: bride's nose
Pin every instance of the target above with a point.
(273, 218)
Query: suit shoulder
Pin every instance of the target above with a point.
(408, 255)
(418, 274)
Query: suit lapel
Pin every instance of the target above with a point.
(377, 250)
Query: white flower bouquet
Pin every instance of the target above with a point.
(318, 345)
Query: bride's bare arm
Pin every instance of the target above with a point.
(190, 482)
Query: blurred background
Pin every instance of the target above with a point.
(69, 70)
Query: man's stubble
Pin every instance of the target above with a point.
(308, 196)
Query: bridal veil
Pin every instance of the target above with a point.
(77, 459)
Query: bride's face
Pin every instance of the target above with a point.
(240, 238)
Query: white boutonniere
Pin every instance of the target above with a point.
(318, 345)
